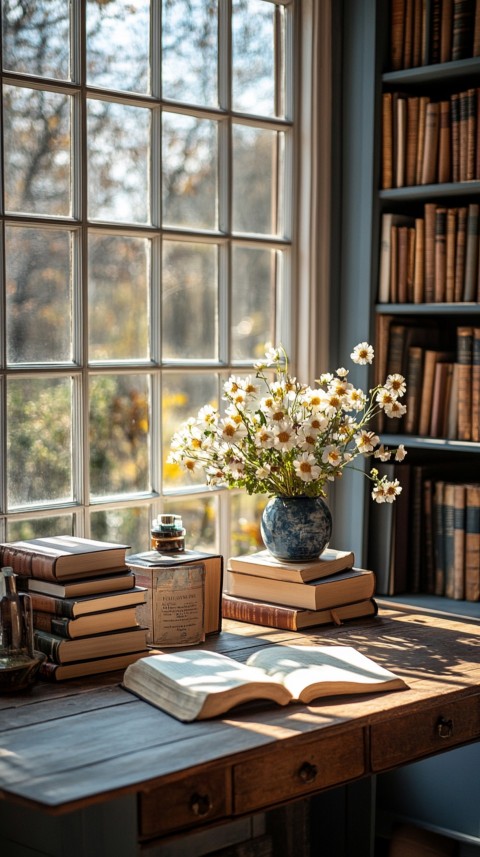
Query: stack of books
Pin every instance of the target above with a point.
(84, 602)
(290, 596)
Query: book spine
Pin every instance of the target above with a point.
(446, 29)
(400, 141)
(476, 31)
(472, 543)
(430, 359)
(462, 35)
(438, 538)
(387, 141)
(429, 554)
(410, 263)
(48, 671)
(52, 624)
(430, 154)
(397, 23)
(476, 385)
(414, 388)
(436, 19)
(448, 537)
(450, 255)
(419, 272)
(440, 254)
(463, 135)
(444, 143)
(459, 542)
(455, 129)
(417, 34)
(258, 613)
(47, 644)
(52, 605)
(422, 112)
(471, 132)
(429, 210)
(402, 252)
(471, 253)
(394, 263)
(408, 35)
(464, 400)
(413, 104)
(460, 247)
(28, 563)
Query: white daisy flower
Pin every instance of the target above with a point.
(397, 384)
(285, 437)
(332, 455)
(264, 438)
(307, 468)
(356, 400)
(362, 354)
(231, 431)
(394, 410)
(366, 441)
(385, 397)
(342, 373)
(392, 490)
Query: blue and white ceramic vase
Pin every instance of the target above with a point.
(296, 529)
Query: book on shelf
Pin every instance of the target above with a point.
(460, 248)
(413, 113)
(459, 542)
(462, 29)
(387, 141)
(84, 626)
(464, 372)
(444, 143)
(263, 564)
(475, 427)
(471, 253)
(455, 128)
(471, 133)
(273, 615)
(440, 254)
(123, 580)
(192, 687)
(62, 557)
(440, 398)
(356, 584)
(472, 543)
(388, 221)
(148, 566)
(430, 149)
(446, 30)
(425, 32)
(93, 666)
(450, 245)
(61, 650)
(388, 549)
(72, 608)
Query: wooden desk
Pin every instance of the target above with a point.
(77, 744)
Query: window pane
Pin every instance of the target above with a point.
(256, 156)
(190, 301)
(118, 39)
(119, 423)
(37, 151)
(118, 279)
(253, 299)
(253, 47)
(123, 526)
(182, 397)
(118, 158)
(246, 512)
(39, 441)
(199, 517)
(35, 528)
(36, 37)
(38, 295)
(189, 179)
(189, 51)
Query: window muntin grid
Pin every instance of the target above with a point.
(154, 277)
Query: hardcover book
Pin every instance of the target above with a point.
(62, 557)
(75, 588)
(78, 669)
(74, 607)
(62, 651)
(84, 626)
(263, 564)
(292, 618)
(193, 685)
(342, 588)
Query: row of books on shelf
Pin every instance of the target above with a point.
(443, 383)
(84, 601)
(430, 142)
(430, 259)
(291, 596)
(424, 32)
(428, 541)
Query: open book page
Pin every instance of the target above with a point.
(309, 672)
(196, 684)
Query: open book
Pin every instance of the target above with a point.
(196, 684)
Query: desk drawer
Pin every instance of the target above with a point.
(192, 801)
(403, 739)
(290, 771)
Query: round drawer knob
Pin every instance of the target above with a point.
(307, 772)
(444, 728)
(200, 804)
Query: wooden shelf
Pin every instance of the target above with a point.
(447, 309)
(431, 191)
(440, 72)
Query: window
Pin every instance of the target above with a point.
(147, 231)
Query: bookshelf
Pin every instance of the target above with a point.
(359, 205)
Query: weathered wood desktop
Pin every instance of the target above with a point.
(87, 768)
